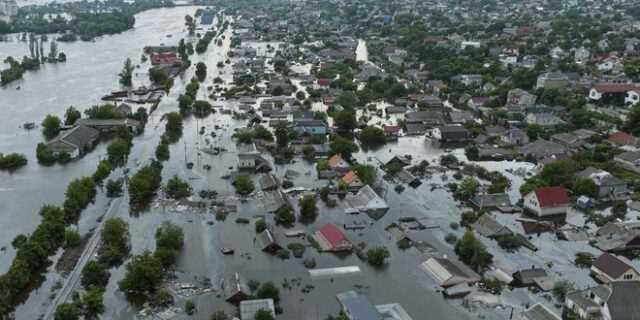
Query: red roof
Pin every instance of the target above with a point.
(622, 139)
(332, 234)
(614, 88)
(433, 39)
(166, 58)
(552, 196)
(391, 128)
(323, 82)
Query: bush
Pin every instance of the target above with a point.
(162, 151)
(268, 290)
(308, 206)
(177, 188)
(51, 126)
(169, 235)
(561, 288)
(450, 238)
(244, 185)
(261, 225)
(12, 160)
(377, 256)
(583, 260)
(283, 253)
(94, 274)
(372, 136)
(286, 184)
(309, 263)
(143, 184)
(66, 311)
(189, 306)
(472, 252)
(143, 274)
(285, 216)
(509, 243)
(297, 249)
(114, 188)
(71, 238)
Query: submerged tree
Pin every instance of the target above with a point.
(127, 73)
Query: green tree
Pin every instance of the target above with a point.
(368, 174)
(190, 22)
(533, 131)
(244, 185)
(219, 315)
(94, 274)
(285, 216)
(71, 238)
(127, 73)
(263, 314)
(117, 151)
(472, 252)
(115, 236)
(468, 188)
(343, 147)
(66, 311)
(169, 235)
(345, 120)
(586, 187)
(632, 124)
(308, 206)
(372, 136)
(268, 290)
(561, 288)
(347, 99)
(509, 243)
(92, 300)
(378, 255)
(201, 71)
(51, 126)
(189, 306)
(114, 188)
(71, 116)
(174, 123)
(12, 160)
(177, 188)
(143, 274)
(162, 151)
(261, 225)
(619, 210)
(559, 172)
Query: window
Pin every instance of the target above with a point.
(628, 276)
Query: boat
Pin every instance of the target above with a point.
(18, 88)
(227, 250)
(29, 125)
(190, 165)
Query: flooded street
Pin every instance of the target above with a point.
(91, 71)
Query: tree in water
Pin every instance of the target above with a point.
(127, 73)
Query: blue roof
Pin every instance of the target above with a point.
(207, 18)
(360, 308)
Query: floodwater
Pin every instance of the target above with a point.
(90, 72)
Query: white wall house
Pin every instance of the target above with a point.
(547, 201)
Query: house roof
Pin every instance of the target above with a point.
(331, 235)
(77, 136)
(264, 239)
(624, 302)
(528, 276)
(323, 82)
(622, 139)
(350, 177)
(552, 196)
(359, 307)
(391, 128)
(268, 181)
(611, 265)
(449, 272)
(614, 88)
(335, 160)
(248, 308)
(234, 285)
(541, 148)
(540, 312)
(489, 227)
(630, 156)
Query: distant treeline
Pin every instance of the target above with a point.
(111, 17)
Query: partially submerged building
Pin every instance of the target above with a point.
(446, 272)
(330, 238)
(368, 201)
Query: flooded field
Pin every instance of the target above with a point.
(91, 71)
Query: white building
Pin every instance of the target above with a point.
(547, 201)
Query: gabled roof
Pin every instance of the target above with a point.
(611, 265)
(624, 302)
(622, 139)
(540, 312)
(552, 196)
(489, 227)
(331, 236)
(335, 160)
(350, 177)
(77, 136)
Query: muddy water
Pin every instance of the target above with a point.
(90, 73)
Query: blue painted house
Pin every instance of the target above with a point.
(314, 127)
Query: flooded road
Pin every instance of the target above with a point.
(91, 71)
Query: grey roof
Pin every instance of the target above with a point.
(264, 240)
(624, 302)
(630, 156)
(233, 285)
(248, 308)
(406, 176)
(489, 227)
(541, 148)
(527, 276)
(274, 200)
(613, 237)
(600, 177)
(580, 298)
(567, 138)
(387, 157)
(268, 181)
(358, 307)
(539, 312)
(78, 136)
(488, 200)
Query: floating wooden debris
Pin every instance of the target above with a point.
(227, 250)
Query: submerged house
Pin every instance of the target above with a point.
(274, 200)
(487, 226)
(110, 125)
(608, 268)
(74, 142)
(330, 238)
(368, 201)
(249, 308)
(249, 158)
(612, 301)
(534, 277)
(447, 273)
(352, 181)
(265, 241)
(235, 289)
